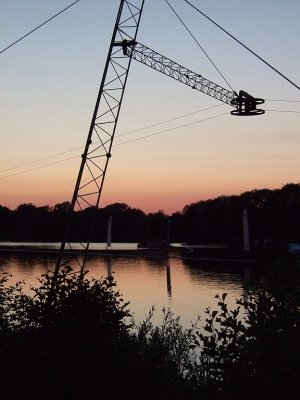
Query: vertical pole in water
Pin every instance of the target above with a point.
(108, 241)
(246, 230)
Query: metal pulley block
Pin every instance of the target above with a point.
(245, 104)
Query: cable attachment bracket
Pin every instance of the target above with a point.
(125, 44)
(245, 105)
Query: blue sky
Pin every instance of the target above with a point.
(49, 84)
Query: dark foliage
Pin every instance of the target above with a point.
(274, 216)
(77, 344)
(253, 351)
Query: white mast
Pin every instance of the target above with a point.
(246, 230)
(108, 241)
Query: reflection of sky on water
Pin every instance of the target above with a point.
(185, 286)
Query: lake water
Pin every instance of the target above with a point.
(186, 285)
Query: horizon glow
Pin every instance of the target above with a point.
(50, 82)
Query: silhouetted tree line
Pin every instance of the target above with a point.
(274, 215)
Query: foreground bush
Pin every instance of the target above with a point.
(257, 357)
(80, 342)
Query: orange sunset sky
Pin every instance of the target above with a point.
(49, 84)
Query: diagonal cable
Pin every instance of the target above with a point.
(242, 44)
(194, 38)
(39, 26)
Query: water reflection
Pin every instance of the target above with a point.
(108, 266)
(186, 286)
(168, 275)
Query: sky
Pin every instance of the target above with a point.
(50, 80)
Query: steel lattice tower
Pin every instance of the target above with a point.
(99, 142)
(97, 152)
